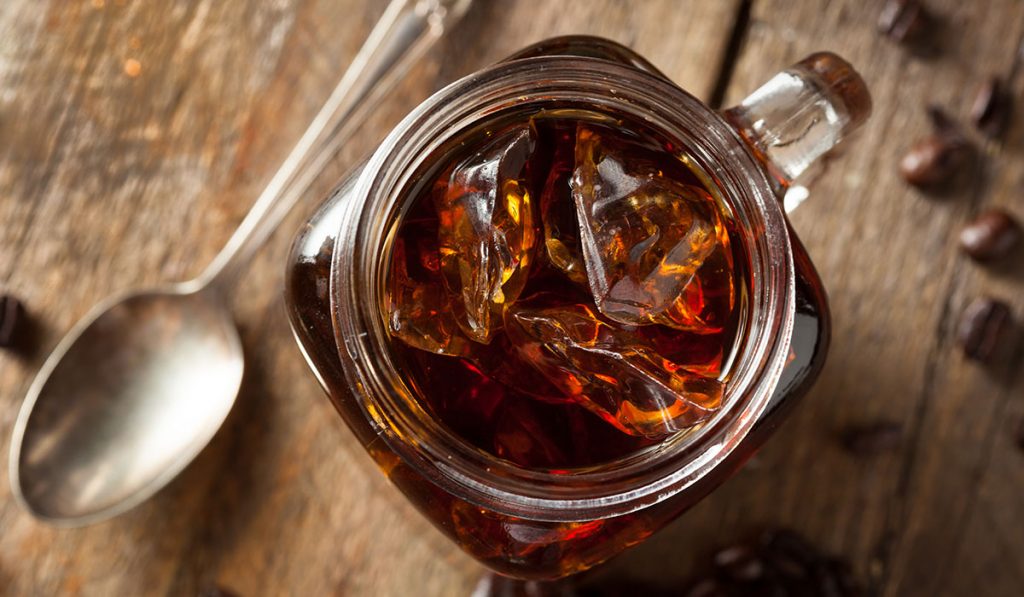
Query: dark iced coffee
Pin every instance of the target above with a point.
(566, 290)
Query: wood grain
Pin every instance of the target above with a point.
(133, 138)
(135, 135)
(941, 515)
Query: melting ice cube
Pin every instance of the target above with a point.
(416, 306)
(644, 234)
(609, 371)
(486, 231)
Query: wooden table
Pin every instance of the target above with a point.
(135, 135)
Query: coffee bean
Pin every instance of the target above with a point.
(834, 579)
(12, 320)
(841, 571)
(708, 587)
(620, 587)
(903, 20)
(982, 324)
(990, 110)
(933, 160)
(873, 438)
(991, 235)
(740, 563)
(496, 585)
(1020, 434)
(786, 566)
(780, 564)
(791, 562)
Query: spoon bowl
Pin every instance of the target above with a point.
(124, 403)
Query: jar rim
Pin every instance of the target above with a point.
(469, 473)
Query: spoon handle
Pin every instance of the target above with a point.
(404, 33)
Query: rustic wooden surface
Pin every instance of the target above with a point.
(134, 136)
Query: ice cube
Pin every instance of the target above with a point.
(644, 234)
(609, 371)
(486, 231)
(416, 306)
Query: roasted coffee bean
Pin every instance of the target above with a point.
(496, 585)
(780, 564)
(982, 325)
(903, 20)
(1020, 434)
(785, 543)
(626, 586)
(793, 568)
(708, 587)
(990, 110)
(991, 235)
(834, 578)
(872, 438)
(786, 566)
(12, 320)
(740, 563)
(844, 576)
(933, 160)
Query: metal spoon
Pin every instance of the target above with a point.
(141, 384)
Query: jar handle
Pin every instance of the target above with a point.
(800, 114)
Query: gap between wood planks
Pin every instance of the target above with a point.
(737, 35)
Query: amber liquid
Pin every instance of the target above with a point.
(492, 393)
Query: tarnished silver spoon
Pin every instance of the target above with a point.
(141, 384)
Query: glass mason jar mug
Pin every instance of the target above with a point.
(549, 521)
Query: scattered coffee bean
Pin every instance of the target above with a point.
(787, 566)
(933, 160)
(991, 235)
(982, 324)
(708, 587)
(780, 563)
(790, 565)
(903, 20)
(1020, 434)
(939, 157)
(873, 438)
(990, 110)
(496, 585)
(834, 579)
(740, 563)
(12, 320)
(626, 586)
(788, 553)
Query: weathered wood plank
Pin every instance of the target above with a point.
(116, 173)
(942, 514)
(963, 506)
